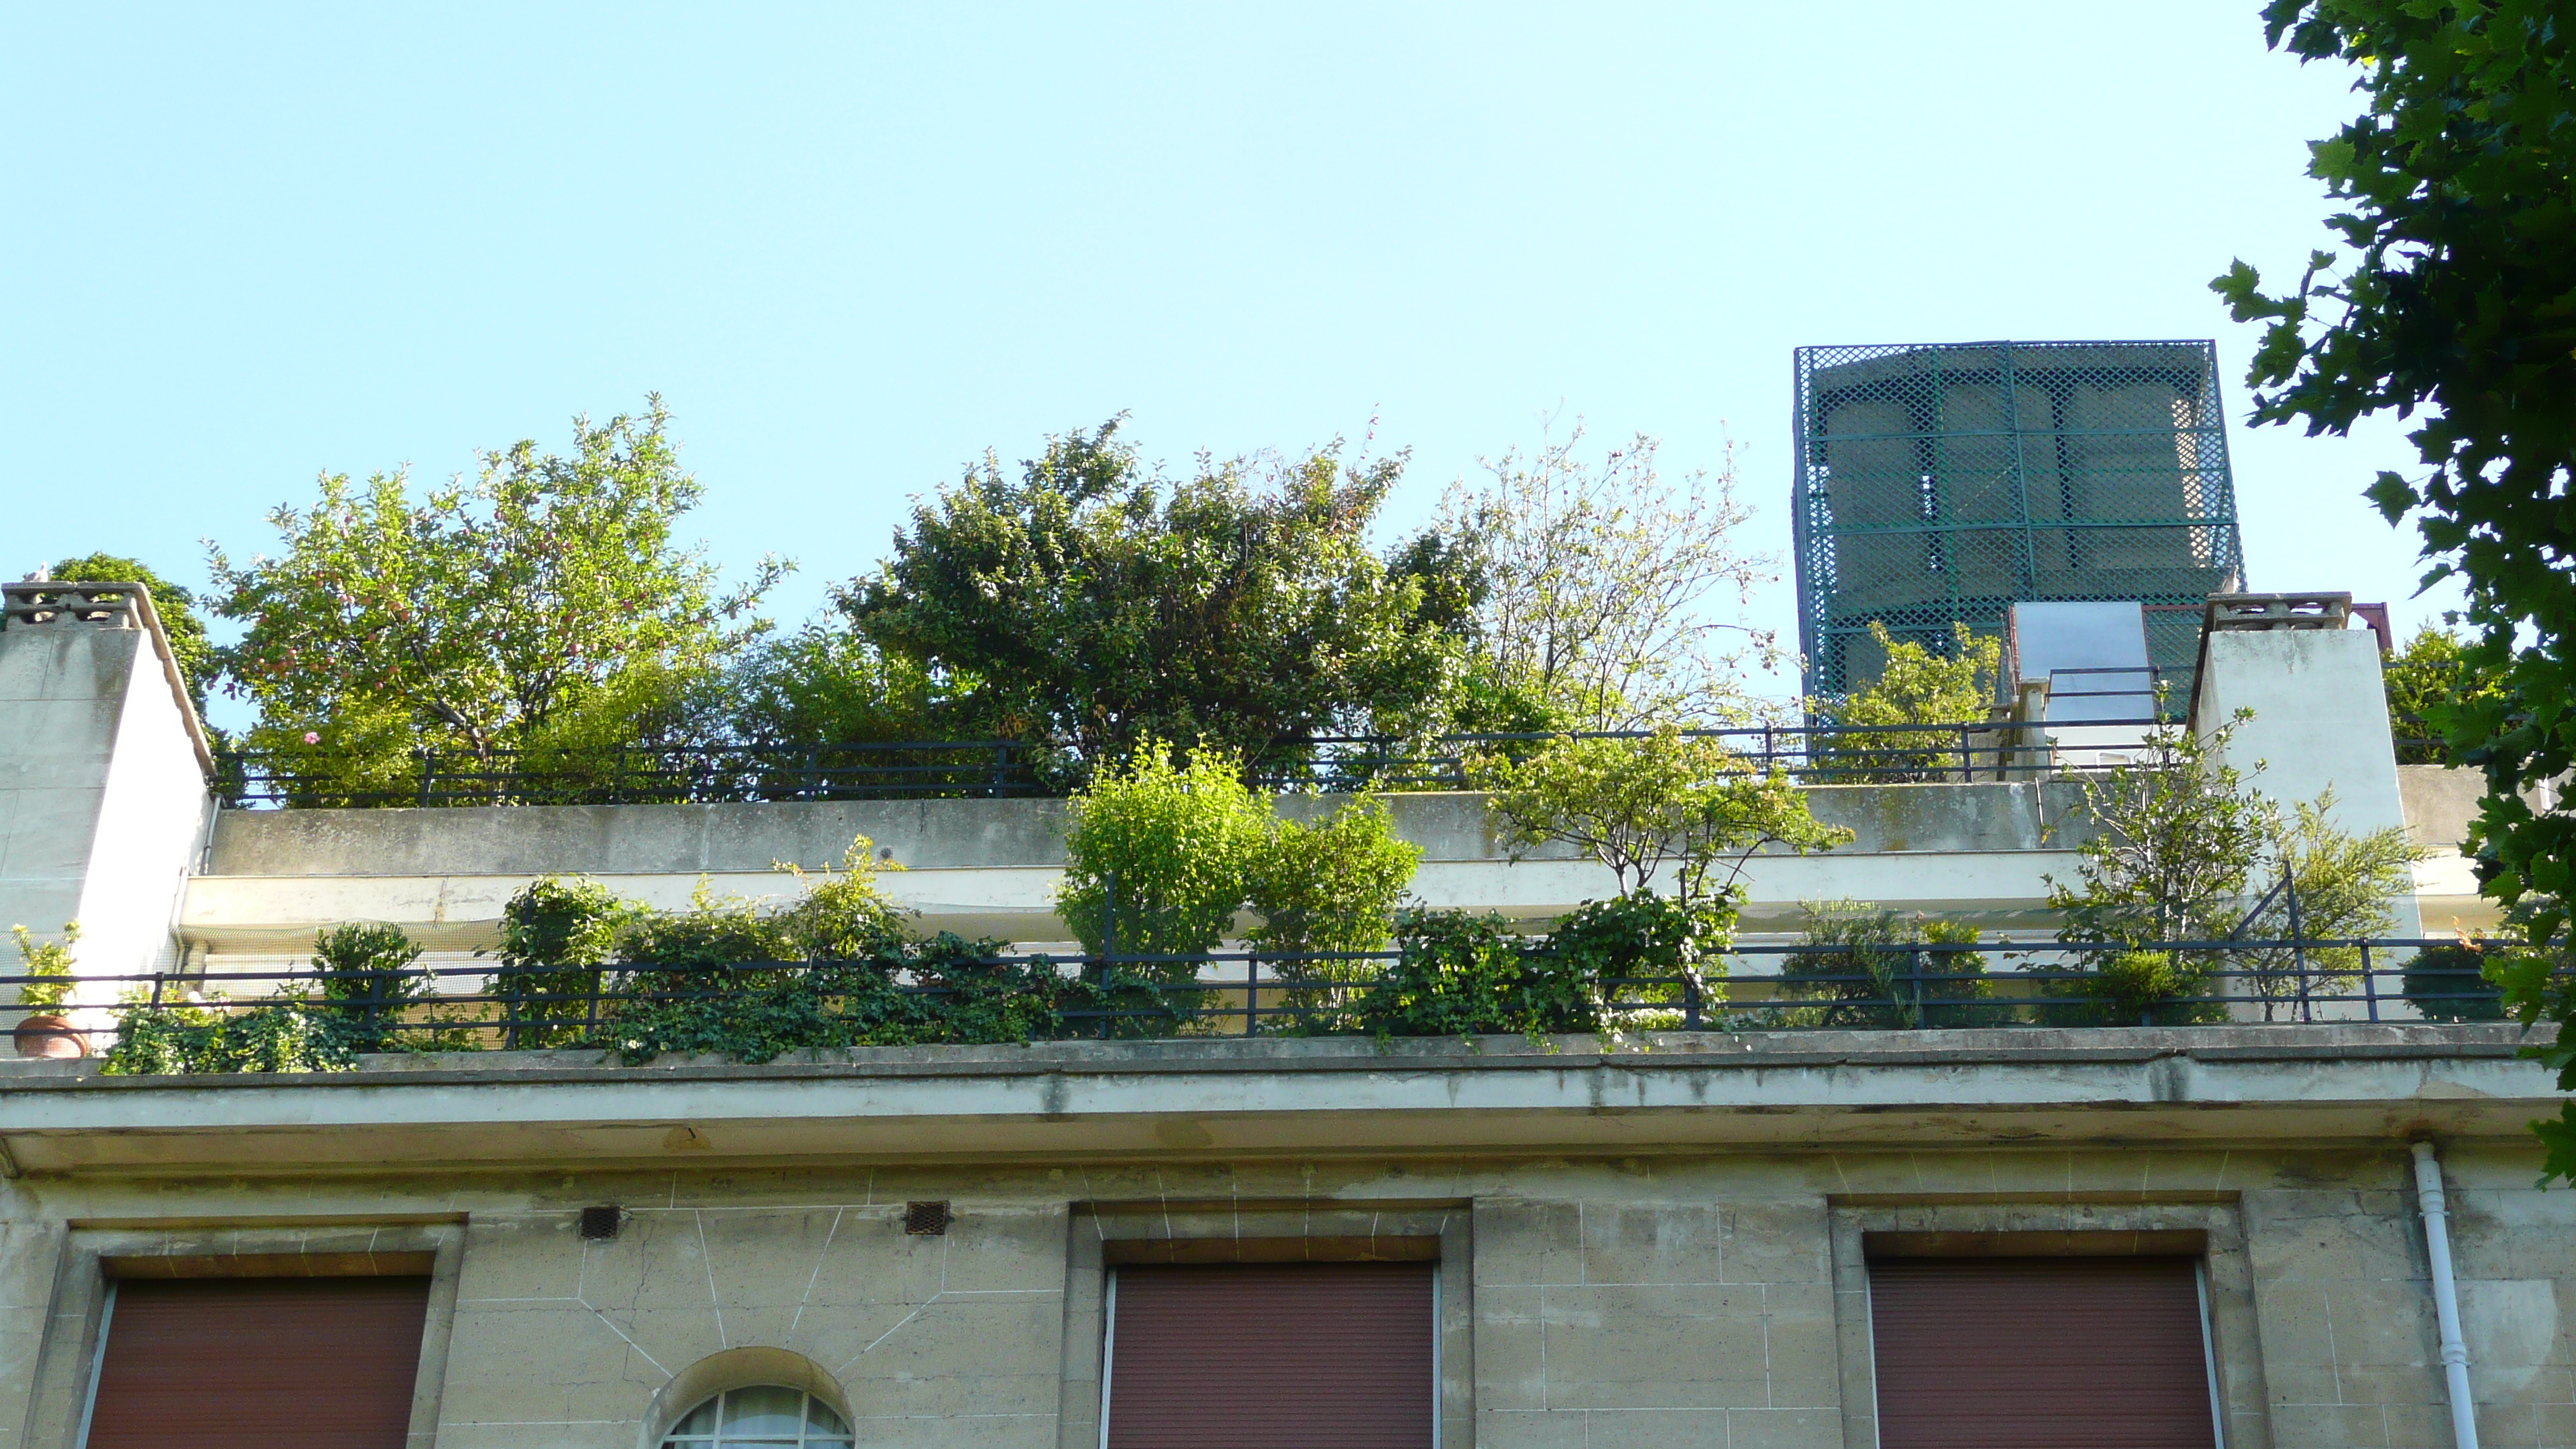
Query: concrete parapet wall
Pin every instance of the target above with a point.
(1666, 1091)
(989, 867)
(986, 834)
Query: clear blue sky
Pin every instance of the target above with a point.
(853, 248)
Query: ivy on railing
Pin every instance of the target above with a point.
(1617, 969)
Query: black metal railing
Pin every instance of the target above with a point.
(1001, 769)
(1769, 987)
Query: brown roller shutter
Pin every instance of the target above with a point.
(260, 1363)
(2039, 1353)
(1272, 1356)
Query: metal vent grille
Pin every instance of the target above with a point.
(925, 1219)
(599, 1224)
(1937, 485)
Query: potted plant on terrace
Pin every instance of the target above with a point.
(44, 1032)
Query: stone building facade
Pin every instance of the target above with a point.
(1645, 1247)
(1670, 1239)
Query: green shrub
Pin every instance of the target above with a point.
(1859, 960)
(844, 917)
(1177, 842)
(1330, 886)
(370, 977)
(2132, 988)
(835, 970)
(557, 937)
(1458, 974)
(50, 962)
(1915, 686)
(287, 1033)
(1188, 847)
(1647, 949)
(161, 1041)
(2449, 983)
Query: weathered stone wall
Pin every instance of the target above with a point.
(1708, 1298)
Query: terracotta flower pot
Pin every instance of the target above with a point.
(50, 1036)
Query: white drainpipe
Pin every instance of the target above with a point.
(2446, 1296)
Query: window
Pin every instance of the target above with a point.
(254, 1363)
(767, 1417)
(1273, 1356)
(2034, 1353)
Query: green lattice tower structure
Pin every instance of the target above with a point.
(1939, 484)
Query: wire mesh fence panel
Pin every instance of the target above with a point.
(1938, 485)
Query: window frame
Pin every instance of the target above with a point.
(807, 1436)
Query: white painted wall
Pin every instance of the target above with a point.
(102, 798)
(2320, 722)
(152, 817)
(62, 691)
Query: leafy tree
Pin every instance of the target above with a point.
(1591, 586)
(2176, 834)
(2422, 679)
(1637, 804)
(176, 608)
(1916, 687)
(544, 607)
(2179, 838)
(823, 685)
(1094, 602)
(2458, 302)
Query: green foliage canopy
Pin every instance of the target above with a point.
(2458, 187)
(1637, 804)
(2424, 679)
(1096, 603)
(2458, 302)
(545, 605)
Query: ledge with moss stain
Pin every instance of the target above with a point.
(1668, 1092)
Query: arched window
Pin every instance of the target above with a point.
(767, 1417)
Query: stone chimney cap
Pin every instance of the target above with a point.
(2278, 611)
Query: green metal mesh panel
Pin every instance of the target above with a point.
(1940, 484)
